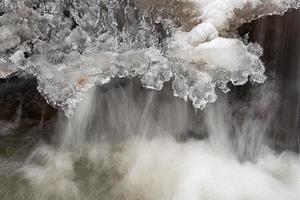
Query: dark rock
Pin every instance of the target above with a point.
(280, 38)
(18, 92)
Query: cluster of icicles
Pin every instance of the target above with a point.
(70, 46)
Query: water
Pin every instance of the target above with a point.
(125, 142)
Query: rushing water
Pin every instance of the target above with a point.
(126, 142)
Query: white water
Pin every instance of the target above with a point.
(160, 168)
(132, 144)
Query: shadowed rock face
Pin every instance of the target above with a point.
(280, 38)
(25, 117)
(20, 93)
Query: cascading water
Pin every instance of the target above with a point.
(113, 67)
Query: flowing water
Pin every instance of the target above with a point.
(126, 142)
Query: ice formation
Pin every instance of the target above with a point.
(70, 46)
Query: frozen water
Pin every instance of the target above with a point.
(69, 46)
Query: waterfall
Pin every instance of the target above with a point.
(171, 100)
(132, 143)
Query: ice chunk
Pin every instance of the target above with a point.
(71, 46)
(7, 69)
(202, 33)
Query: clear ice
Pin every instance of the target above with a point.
(70, 46)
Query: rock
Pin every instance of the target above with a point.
(18, 92)
(280, 39)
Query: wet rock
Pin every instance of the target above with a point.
(280, 39)
(22, 93)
